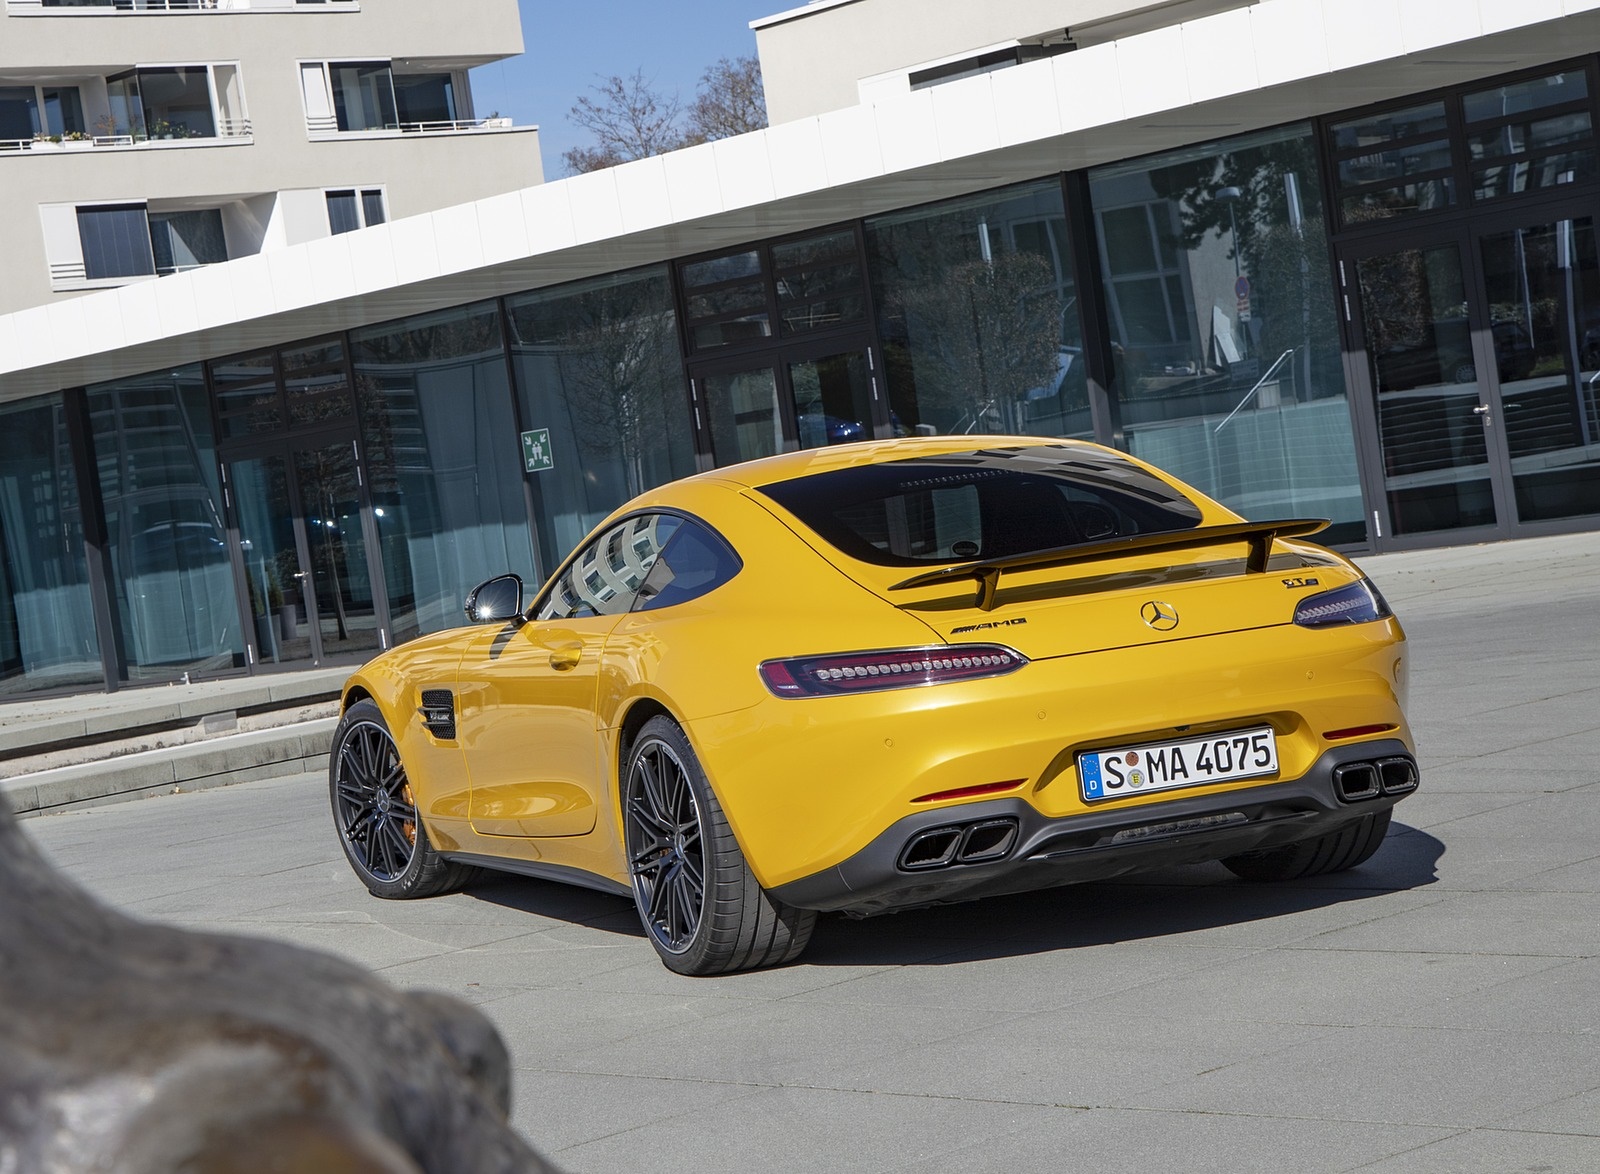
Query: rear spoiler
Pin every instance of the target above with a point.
(1259, 535)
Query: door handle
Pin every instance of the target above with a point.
(566, 657)
(1482, 410)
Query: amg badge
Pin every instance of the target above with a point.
(990, 624)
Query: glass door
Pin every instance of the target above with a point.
(302, 552)
(1428, 390)
(790, 397)
(1482, 354)
(1542, 286)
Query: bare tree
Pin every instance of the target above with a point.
(730, 101)
(629, 119)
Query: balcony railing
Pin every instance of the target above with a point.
(328, 127)
(227, 128)
(145, 7)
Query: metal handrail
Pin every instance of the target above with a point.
(1240, 405)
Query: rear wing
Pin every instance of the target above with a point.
(1259, 535)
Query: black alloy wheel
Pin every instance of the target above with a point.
(666, 846)
(699, 902)
(375, 812)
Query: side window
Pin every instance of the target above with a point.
(607, 574)
(695, 561)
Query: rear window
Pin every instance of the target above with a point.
(957, 507)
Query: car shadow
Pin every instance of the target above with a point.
(1144, 907)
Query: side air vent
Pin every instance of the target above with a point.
(439, 713)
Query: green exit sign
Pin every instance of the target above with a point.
(536, 454)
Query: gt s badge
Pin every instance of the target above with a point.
(1300, 582)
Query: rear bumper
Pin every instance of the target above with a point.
(902, 868)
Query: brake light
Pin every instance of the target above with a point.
(897, 668)
(1359, 603)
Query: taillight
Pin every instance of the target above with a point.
(1359, 603)
(895, 668)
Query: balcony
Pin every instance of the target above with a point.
(371, 99)
(169, 7)
(143, 107)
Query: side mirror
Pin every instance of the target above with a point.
(495, 600)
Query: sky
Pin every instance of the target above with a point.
(571, 45)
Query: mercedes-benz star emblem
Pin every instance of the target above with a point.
(1163, 617)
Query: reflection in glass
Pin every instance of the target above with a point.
(172, 582)
(315, 384)
(246, 390)
(832, 399)
(1419, 351)
(274, 577)
(1393, 163)
(1228, 368)
(743, 415)
(440, 444)
(978, 315)
(1543, 287)
(597, 366)
(330, 502)
(47, 631)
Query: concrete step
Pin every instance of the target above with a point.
(57, 753)
(212, 762)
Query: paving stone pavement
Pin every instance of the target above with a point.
(1437, 1010)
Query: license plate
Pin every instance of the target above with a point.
(1163, 766)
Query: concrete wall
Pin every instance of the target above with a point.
(813, 59)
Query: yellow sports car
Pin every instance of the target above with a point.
(885, 675)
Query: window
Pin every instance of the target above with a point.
(597, 365)
(130, 240)
(804, 285)
(695, 561)
(116, 242)
(977, 309)
(988, 504)
(1530, 135)
(177, 102)
(187, 240)
(350, 209)
(346, 96)
(1227, 362)
(425, 98)
(643, 563)
(26, 111)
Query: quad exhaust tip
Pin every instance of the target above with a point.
(1355, 781)
(970, 843)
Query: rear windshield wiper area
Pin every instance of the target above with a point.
(1258, 535)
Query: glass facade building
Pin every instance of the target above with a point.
(1304, 321)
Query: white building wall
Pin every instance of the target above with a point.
(831, 54)
(242, 176)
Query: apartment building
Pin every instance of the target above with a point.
(1328, 258)
(140, 138)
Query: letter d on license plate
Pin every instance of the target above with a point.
(1163, 766)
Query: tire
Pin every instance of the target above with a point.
(1349, 846)
(700, 905)
(376, 816)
